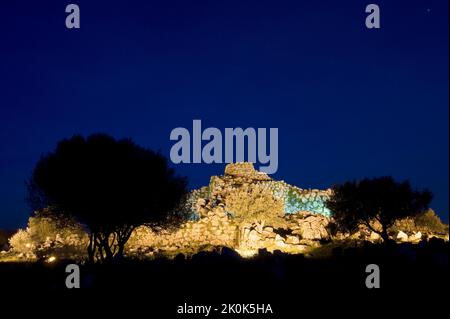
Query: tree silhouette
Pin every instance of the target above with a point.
(110, 186)
(381, 200)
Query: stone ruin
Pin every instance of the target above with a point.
(211, 223)
(300, 224)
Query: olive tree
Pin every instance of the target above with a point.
(382, 200)
(110, 186)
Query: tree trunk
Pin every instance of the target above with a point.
(384, 234)
(122, 238)
(108, 253)
(91, 249)
(119, 254)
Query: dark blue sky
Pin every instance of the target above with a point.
(349, 102)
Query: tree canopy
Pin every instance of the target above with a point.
(111, 186)
(381, 200)
(254, 204)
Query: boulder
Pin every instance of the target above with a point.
(253, 236)
(401, 236)
(374, 236)
(292, 240)
(416, 236)
(309, 233)
(279, 241)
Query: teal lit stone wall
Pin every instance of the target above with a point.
(306, 201)
(297, 199)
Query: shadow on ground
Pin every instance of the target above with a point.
(285, 281)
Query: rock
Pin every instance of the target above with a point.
(374, 236)
(253, 236)
(245, 170)
(280, 244)
(292, 240)
(416, 236)
(269, 234)
(356, 235)
(311, 219)
(401, 236)
(201, 202)
(268, 229)
(297, 249)
(324, 233)
(310, 234)
(279, 241)
(215, 223)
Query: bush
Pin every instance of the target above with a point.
(22, 244)
(429, 222)
(382, 199)
(49, 236)
(254, 204)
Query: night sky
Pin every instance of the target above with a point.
(349, 102)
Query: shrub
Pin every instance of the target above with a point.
(254, 204)
(50, 236)
(381, 199)
(430, 222)
(22, 244)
